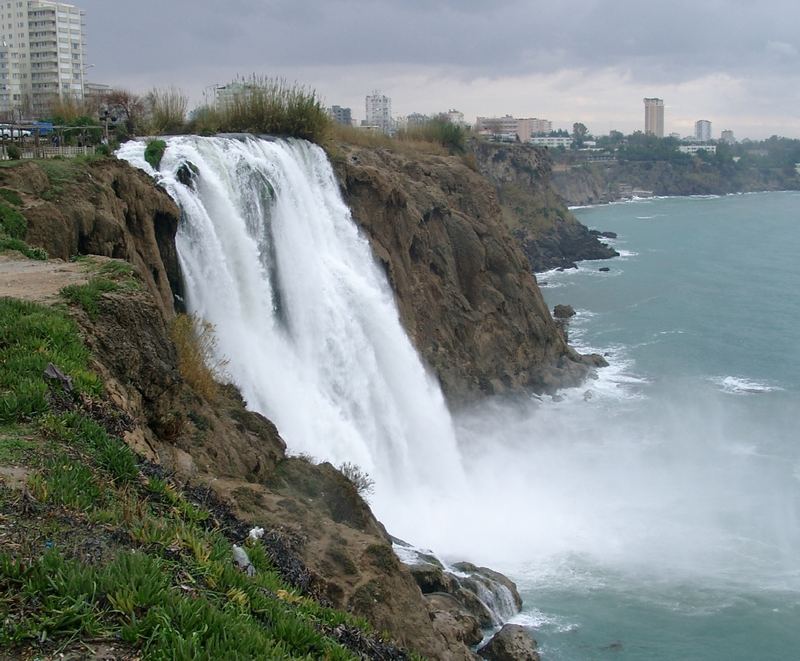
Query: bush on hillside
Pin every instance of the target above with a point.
(154, 152)
(166, 109)
(196, 345)
(270, 106)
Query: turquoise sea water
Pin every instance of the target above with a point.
(683, 460)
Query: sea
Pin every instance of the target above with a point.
(677, 535)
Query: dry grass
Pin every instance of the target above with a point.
(403, 143)
(196, 343)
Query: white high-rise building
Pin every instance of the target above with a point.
(654, 117)
(379, 111)
(42, 55)
(702, 130)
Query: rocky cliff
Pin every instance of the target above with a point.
(550, 235)
(465, 293)
(595, 183)
(464, 288)
(101, 207)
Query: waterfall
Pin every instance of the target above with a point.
(302, 313)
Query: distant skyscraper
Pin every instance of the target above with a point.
(702, 130)
(654, 117)
(727, 136)
(379, 111)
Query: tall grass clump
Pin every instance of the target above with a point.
(196, 345)
(166, 109)
(439, 131)
(273, 106)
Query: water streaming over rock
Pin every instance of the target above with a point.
(305, 317)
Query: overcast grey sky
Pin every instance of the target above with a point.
(734, 62)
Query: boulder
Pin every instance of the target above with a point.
(563, 311)
(511, 643)
(451, 616)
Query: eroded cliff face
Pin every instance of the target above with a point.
(106, 208)
(550, 235)
(464, 289)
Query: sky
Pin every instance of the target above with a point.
(733, 62)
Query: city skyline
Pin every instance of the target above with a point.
(589, 63)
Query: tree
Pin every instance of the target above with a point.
(126, 106)
(579, 132)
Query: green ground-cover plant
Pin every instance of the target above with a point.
(107, 548)
(7, 243)
(32, 336)
(154, 152)
(107, 277)
(12, 222)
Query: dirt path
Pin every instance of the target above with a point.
(35, 280)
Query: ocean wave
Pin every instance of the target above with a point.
(533, 618)
(736, 385)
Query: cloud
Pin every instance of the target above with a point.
(347, 47)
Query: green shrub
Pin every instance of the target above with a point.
(196, 346)
(102, 150)
(13, 152)
(12, 222)
(154, 152)
(167, 110)
(440, 131)
(11, 196)
(7, 243)
(271, 106)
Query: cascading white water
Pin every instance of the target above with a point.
(304, 316)
(273, 259)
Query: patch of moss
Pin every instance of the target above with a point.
(12, 222)
(154, 152)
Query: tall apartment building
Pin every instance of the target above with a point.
(702, 130)
(340, 115)
(42, 55)
(528, 127)
(379, 111)
(654, 117)
(727, 136)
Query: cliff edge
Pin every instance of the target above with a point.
(464, 288)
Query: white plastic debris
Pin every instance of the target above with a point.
(256, 533)
(241, 559)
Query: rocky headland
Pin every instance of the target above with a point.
(597, 183)
(532, 209)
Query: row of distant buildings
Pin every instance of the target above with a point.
(378, 111)
(654, 124)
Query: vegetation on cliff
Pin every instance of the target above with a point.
(97, 545)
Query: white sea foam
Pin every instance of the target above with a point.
(737, 385)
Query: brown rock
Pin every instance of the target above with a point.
(464, 289)
(511, 643)
(107, 208)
